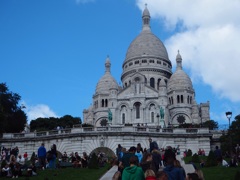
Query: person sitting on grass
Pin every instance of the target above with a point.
(5, 171)
(76, 160)
(32, 170)
(224, 163)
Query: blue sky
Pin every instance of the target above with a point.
(52, 52)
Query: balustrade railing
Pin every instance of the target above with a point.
(106, 129)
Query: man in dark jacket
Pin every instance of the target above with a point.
(126, 157)
(42, 156)
(172, 172)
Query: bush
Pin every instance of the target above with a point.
(189, 152)
(93, 162)
(195, 158)
(211, 160)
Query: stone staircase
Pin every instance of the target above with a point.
(187, 167)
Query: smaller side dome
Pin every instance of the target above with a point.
(107, 81)
(179, 79)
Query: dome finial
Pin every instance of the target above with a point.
(146, 19)
(179, 61)
(107, 64)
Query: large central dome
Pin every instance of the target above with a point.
(146, 43)
(146, 54)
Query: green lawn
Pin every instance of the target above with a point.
(210, 173)
(68, 174)
(216, 172)
(220, 173)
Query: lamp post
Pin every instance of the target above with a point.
(229, 115)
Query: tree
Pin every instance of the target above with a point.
(51, 123)
(12, 117)
(211, 124)
(232, 137)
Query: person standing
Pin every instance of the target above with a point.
(133, 172)
(151, 145)
(139, 154)
(119, 152)
(52, 162)
(157, 159)
(25, 156)
(42, 156)
(172, 172)
(126, 157)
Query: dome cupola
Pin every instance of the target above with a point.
(179, 79)
(107, 81)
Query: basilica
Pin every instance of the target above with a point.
(150, 94)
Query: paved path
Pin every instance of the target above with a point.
(187, 167)
(108, 175)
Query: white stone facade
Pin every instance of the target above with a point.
(148, 85)
(89, 139)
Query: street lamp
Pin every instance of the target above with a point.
(158, 119)
(229, 115)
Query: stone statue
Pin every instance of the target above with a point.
(109, 115)
(26, 128)
(161, 113)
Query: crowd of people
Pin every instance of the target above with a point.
(14, 165)
(151, 164)
(234, 157)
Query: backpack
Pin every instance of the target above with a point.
(155, 145)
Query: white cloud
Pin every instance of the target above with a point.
(36, 111)
(84, 1)
(209, 39)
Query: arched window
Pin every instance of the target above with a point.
(166, 81)
(178, 99)
(106, 103)
(172, 100)
(137, 79)
(137, 107)
(182, 99)
(123, 118)
(102, 102)
(191, 100)
(158, 83)
(152, 117)
(125, 84)
(152, 82)
(188, 100)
